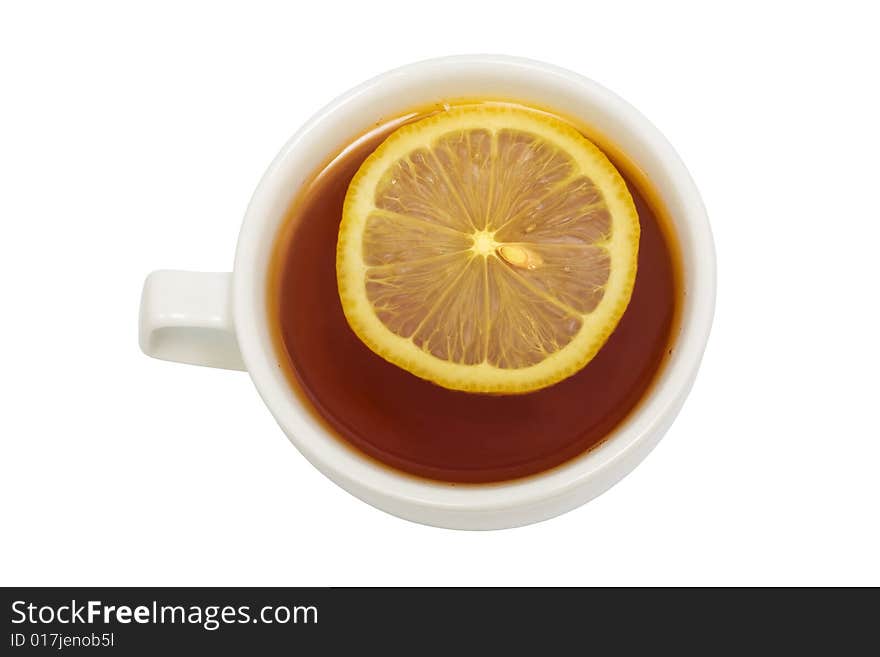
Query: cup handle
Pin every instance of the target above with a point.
(186, 317)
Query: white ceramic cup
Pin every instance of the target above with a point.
(220, 320)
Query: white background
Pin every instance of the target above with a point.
(131, 140)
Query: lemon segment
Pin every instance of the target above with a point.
(487, 248)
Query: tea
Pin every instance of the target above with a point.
(428, 431)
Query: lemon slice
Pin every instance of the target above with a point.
(487, 248)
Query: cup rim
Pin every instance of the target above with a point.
(398, 492)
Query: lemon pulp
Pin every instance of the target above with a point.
(488, 248)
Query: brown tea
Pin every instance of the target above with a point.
(425, 430)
